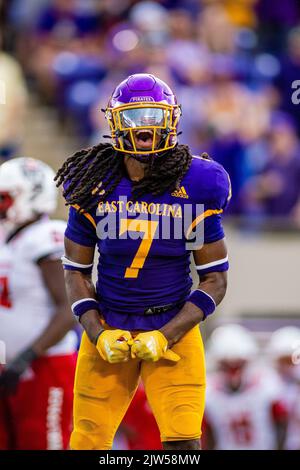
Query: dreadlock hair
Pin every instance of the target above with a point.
(91, 174)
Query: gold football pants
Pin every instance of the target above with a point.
(103, 392)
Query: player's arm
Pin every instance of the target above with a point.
(80, 240)
(213, 284)
(79, 286)
(62, 320)
(111, 344)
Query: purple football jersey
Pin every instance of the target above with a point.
(145, 244)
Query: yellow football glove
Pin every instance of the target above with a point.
(113, 347)
(152, 346)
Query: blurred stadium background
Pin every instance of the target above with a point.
(233, 65)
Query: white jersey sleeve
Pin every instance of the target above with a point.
(46, 240)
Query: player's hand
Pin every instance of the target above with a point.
(152, 346)
(9, 378)
(113, 346)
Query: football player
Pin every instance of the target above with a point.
(36, 377)
(284, 351)
(243, 406)
(146, 204)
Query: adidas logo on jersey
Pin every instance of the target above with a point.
(181, 192)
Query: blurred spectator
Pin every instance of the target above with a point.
(275, 19)
(64, 26)
(69, 14)
(276, 190)
(12, 105)
(216, 29)
(151, 19)
(24, 14)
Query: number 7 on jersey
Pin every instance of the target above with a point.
(148, 228)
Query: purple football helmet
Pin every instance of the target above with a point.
(143, 115)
